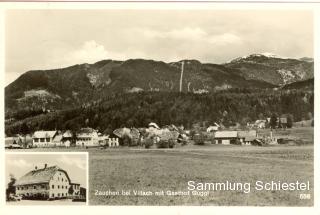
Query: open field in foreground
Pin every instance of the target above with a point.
(171, 169)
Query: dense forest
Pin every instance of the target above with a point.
(138, 109)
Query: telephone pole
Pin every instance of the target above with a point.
(181, 76)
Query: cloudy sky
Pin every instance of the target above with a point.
(48, 39)
(21, 164)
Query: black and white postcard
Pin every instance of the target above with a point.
(175, 104)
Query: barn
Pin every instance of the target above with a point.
(226, 137)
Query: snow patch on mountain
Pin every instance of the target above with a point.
(264, 54)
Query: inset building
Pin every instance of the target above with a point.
(46, 183)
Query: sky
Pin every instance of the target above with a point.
(50, 39)
(74, 164)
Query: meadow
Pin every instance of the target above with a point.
(170, 170)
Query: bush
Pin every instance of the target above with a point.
(199, 139)
(148, 142)
(166, 143)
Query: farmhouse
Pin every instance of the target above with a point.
(44, 138)
(87, 137)
(46, 183)
(226, 137)
(213, 128)
(247, 137)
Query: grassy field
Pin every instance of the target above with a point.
(156, 170)
(170, 169)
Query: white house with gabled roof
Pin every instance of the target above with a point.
(44, 138)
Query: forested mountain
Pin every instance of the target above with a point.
(138, 109)
(49, 94)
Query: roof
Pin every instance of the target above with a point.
(249, 138)
(226, 134)
(67, 134)
(249, 133)
(86, 132)
(283, 120)
(57, 138)
(152, 124)
(75, 183)
(259, 121)
(40, 176)
(213, 128)
(44, 134)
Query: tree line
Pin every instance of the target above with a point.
(165, 108)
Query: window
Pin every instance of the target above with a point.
(34, 187)
(52, 195)
(58, 187)
(52, 186)
(36, 140)
(42, 140)
(62, 187)
(62, 194)
(62, 179)
(17, 188)
(58, 194)
(47, 139)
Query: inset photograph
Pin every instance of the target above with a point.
(46, 178)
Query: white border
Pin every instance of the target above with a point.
(165, 209)
(53, 153)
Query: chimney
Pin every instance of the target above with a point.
(45, 165)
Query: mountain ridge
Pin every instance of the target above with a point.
(85, 83)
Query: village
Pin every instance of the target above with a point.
(259, 133)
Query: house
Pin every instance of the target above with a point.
(103, 139)
(213, 128)
(67, 138)
(247, 137)
(12, 142)
(44, 138)
(283, 122)
(87, 137)
(226, 137)
(260, 123)
(46, 183)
